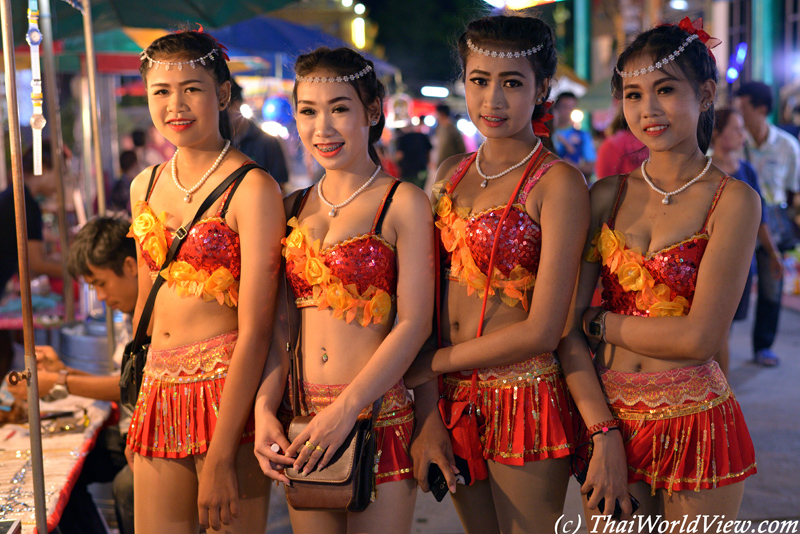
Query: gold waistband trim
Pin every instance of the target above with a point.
(668, 412)
(526, 379)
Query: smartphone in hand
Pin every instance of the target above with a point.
(436, 482)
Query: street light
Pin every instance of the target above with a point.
(359, 9)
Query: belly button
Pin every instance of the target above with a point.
(454, 326)
(638, 368)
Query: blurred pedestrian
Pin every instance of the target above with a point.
(775, 155)
(672, 243)
(412, 152)
(508, 286)
(447, 140)
(261, 147)
(571, 143)
(620, 152)
(121, 190)
(727, 142)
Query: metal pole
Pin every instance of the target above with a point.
(24, 274)
(91, 73)
(56, 141)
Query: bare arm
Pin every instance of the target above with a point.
(607, 474)
(720, 282)
(564, 222)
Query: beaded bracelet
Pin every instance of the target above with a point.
(603, 427)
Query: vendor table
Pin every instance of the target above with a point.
(65, 445)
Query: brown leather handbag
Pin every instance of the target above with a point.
(347, 482)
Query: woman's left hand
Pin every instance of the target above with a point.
(218, 494)
(316, 445)
(420, 371)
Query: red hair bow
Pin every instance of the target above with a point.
(696, 28)
(539, 127)
(221, 46)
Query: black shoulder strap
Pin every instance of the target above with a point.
(246, 168)
(150, 184)
(385, 207)
(299, 202)
(180, 236)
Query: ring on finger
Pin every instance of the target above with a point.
(318, 448)
(310, 446)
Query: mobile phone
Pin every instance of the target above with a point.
(463, 476)
(437, 482)
(581, 478)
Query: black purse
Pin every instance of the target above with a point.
(135, 355)
(347, 482)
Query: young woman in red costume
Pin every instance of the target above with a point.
(359, 267)
(672, 243)
(504, 394)
(192, 431)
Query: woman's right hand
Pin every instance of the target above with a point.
(607, 476)
(269, 433)
(431, 444)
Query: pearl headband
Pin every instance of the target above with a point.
(661, 62)
(494, 53)
(332, 79)
(179, 64)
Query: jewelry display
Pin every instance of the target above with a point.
(653, 186)
(189, 192)
(335, 207)
(487, 178)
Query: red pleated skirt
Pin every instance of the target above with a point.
(393, 429)
(178, 405)
(683, 429)
(524, 411)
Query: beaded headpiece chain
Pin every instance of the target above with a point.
(695, 30)
(495, 53)
(179, 64)
(332, 79)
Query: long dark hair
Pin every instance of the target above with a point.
(694, 62)
(191, 44)
(514, 33)
(344, 62)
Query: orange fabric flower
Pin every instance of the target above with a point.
(632, 276)
(217, 284)
(156, 247)
(377, 308)
(317, 272)
(675, 308)
(444, 206)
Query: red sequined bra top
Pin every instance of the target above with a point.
(356, 278)
(658, 284)
(208, 264)
(467, 238)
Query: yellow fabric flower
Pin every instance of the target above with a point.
(143, 224)
(444, 206)
(317, 272)
(295, 239)
(673, 308)
(156, 248)
(610, 242)
(179, 271)
(218, 282)
(632, 276)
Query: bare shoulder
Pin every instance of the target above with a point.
(603, 195)
(410, 208)
(449, 166)
(259, 183)
(563, 175)
(739, 199)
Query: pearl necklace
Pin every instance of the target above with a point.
(487, 178)
(335, 207)
(198, 185)
(665, 201)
